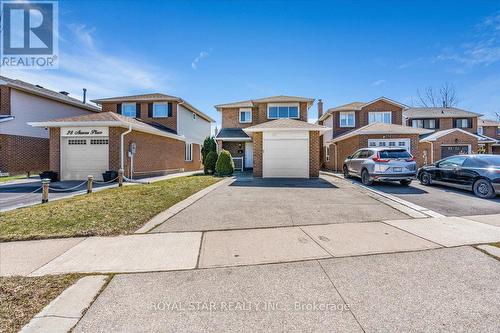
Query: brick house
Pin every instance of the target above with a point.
(365, 124)
(271, 136)
(490, 129)
(144, 135)
(22, 147)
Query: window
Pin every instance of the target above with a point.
(128, 110)
(401, 143)
(424, 123)
(372, 144)
(452, 162)
(392, 144)
(188, 152)
(365, 153)
(194, 116)
(498, 130)
(282, 111)
(327, 154)
(462, 123)
(396, 153)
(380, 117)
(77, 142)
(99, 141)
(480, 130)
(160, 110)
(347, 119)
(245, 116)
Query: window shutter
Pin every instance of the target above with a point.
(150, 110)
(454, 122)
(138, 110)
(170, 109)
(119, 108)
(437, 123)
(469, 123)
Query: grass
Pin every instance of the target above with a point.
(107, 212)
(496, 244)
(9, 178)
(21, 298)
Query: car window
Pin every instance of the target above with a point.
(394, 153)
(366, 153)
(452, 162)
(482, 162)
(356, 154)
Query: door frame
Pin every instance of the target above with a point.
(245, 166)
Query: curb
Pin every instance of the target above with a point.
(175, 209)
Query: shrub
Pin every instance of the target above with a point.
(208, 146)
(210, 160)
(225, 164)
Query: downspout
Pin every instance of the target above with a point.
(432, 152)
(336, 158)
(121, 146)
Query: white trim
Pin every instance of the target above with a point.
(327, 153)
(269, 105)
(388, 100)
(439, 134)
(186, 155)
(347, 113)
(234, 139)
(469, 147)
(4, 119)
(245, 110)
(242, 166)
(383, 114)
(279, 129)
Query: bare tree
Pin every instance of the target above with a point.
(445, 97)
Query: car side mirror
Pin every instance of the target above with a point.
(349, 157)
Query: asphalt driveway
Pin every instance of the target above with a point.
(260, 203)
(444, 200)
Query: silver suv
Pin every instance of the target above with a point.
(384, 164)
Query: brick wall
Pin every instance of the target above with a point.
(448, 123)
(491, 131)
(4, 100)
(196, 163)
(424, 157)
(454, 138)
(20, 154)
(170, 122)
(257, 154)
(55, 150)
(234, 148)
(314, 154)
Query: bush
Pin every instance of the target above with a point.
(209, 165)
(225, 164)
(208, 146)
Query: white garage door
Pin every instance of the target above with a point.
(390, 143)
(81, 157)
(285, 154)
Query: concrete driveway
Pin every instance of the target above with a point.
(261, 203)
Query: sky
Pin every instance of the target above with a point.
(213, 52)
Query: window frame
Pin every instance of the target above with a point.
(188, 152)
(347, 113)
(327, 153)
(383, 113)
(154, 109)
(468, 122)
(134, 108)
(423, 121)
(288, 105)
(244, 110)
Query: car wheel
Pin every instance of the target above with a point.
(365, 178)
(425, 178)
(483, 189)
(346, 172)
(405, 182)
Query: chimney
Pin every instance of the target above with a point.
(65, 93)
(320, 108)
(84, 95)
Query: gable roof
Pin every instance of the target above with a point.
(381, 128)
(271, 99)
(285, 124)
(488, 122)
(153, 97)
(47, 93)
(438, 112)
(357, 106)
(107, 119)
(436, 135)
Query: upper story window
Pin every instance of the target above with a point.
(160, 110)
(463, 123)
(347, 119)
(498, 130)
(380, 117)
(129, 110)
(275, 111)
(424, 123)
(480, 130)
(245, 115)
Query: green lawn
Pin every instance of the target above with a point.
(9, 178)
(107, 212)
(21, 298)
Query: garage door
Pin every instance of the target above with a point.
(285, 154)
(447, 151)
(81, 157)
(391, 143)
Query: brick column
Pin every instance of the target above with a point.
(55, 149)
(314, 162)
(257, 154)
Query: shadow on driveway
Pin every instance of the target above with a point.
(283, 182)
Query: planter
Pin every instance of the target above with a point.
(53, 176)
(109, 175)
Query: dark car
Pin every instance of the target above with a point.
(477, 173)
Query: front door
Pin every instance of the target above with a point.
(249, 155)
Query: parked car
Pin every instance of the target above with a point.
(381, 164)
(477, 173)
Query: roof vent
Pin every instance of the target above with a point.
(65, 93)
(39, 86)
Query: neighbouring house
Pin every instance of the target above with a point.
(145, 135)
(455, 131)
(365, 124)
(490, 129)
(271, 136)
(24, 148)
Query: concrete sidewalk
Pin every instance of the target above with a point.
(190, 250)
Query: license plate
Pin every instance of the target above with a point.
(397, 169)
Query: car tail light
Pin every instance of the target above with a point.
(379, 160)
(411, 159)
